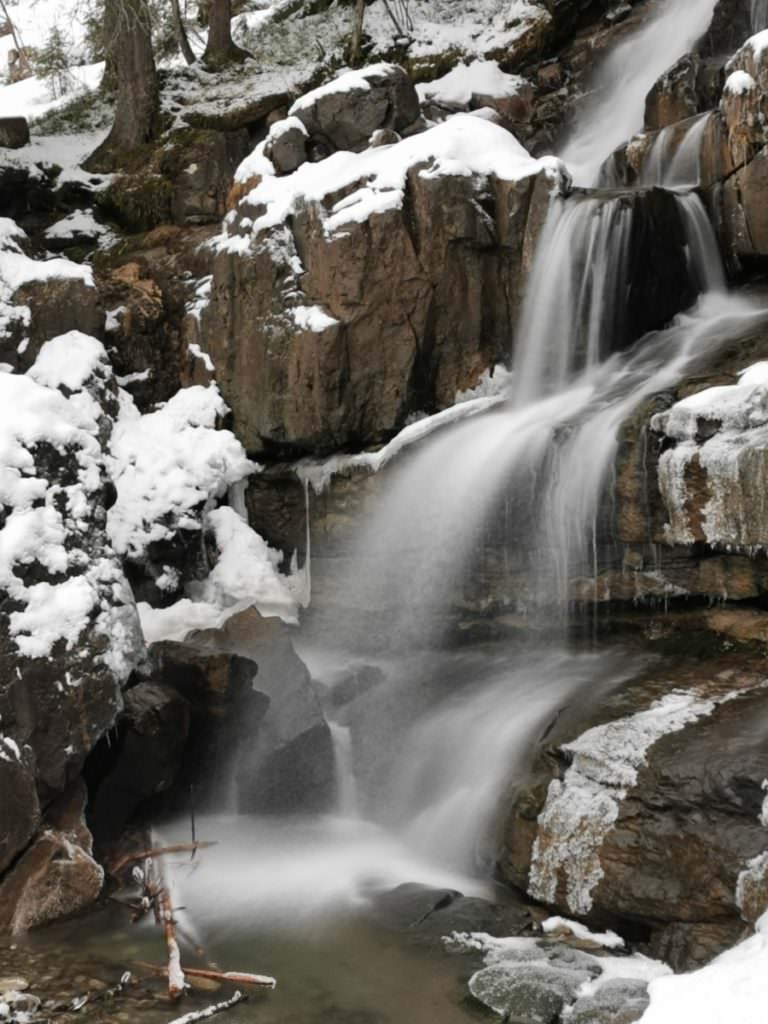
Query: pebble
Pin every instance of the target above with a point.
(13, 983)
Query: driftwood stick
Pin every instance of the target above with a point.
(158, 851)
(210, 1011)
(176, 981)
(233, 977)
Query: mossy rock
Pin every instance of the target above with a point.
(137, 202)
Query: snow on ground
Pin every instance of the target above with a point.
(480, 78)
(733, 989)
(32, 97)
(463, 145)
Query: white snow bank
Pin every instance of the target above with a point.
(347, 81)
(49, 522)
(463, 145)
(733, 989)
(739, 83)
(32, 97)
(167, 464)
(480, 78)
(609, 940)
(81, 222)
(733, 406)
(757, 43)
(247, 569)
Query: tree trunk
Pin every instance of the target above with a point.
(356, 39)
(181, 33)
(220, 49)
(128, 37)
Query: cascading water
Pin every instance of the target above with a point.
(613, 111)
(759, 15)
(673, 159)
(423, 807)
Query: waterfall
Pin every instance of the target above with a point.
(346, 786)
(613, 111)
(576, 293)
(673, 161)
(759, 15)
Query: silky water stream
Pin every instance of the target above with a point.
(424, 756)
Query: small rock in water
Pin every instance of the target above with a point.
(13, 983)
(534, 992)
(620, 1001)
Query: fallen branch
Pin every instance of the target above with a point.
(233, 977)
(176, 983)
(211, 1011)
(158, 851)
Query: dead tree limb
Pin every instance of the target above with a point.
(210, 1011)
(233, 977)
(176, 982)
(159, 851)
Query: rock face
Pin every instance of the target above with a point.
(327, 331)
(276, 742)
(347, 112)
(141, 760)
(57, 875)
(652, 812)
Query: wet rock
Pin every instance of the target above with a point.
(619, 1001)
(668, 841)
(674, 96)
(288, 764)
(348, 111)
(14, 132)
(20, 815)
(142, 758)
(534, 993)
(353, 683)
(57, 875)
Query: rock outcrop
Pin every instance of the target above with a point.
(346, 298)
(652, 810)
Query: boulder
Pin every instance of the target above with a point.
(530, 992)
(618, 1001)
(57, 876)
(347, 110)
(144, 756)
(20, 815)
(651, 810)
(428, 914)
(14, 132)
(287, 762)
(56, 305)
(286, 145)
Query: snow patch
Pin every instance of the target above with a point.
(581, 808)
(480, 78)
